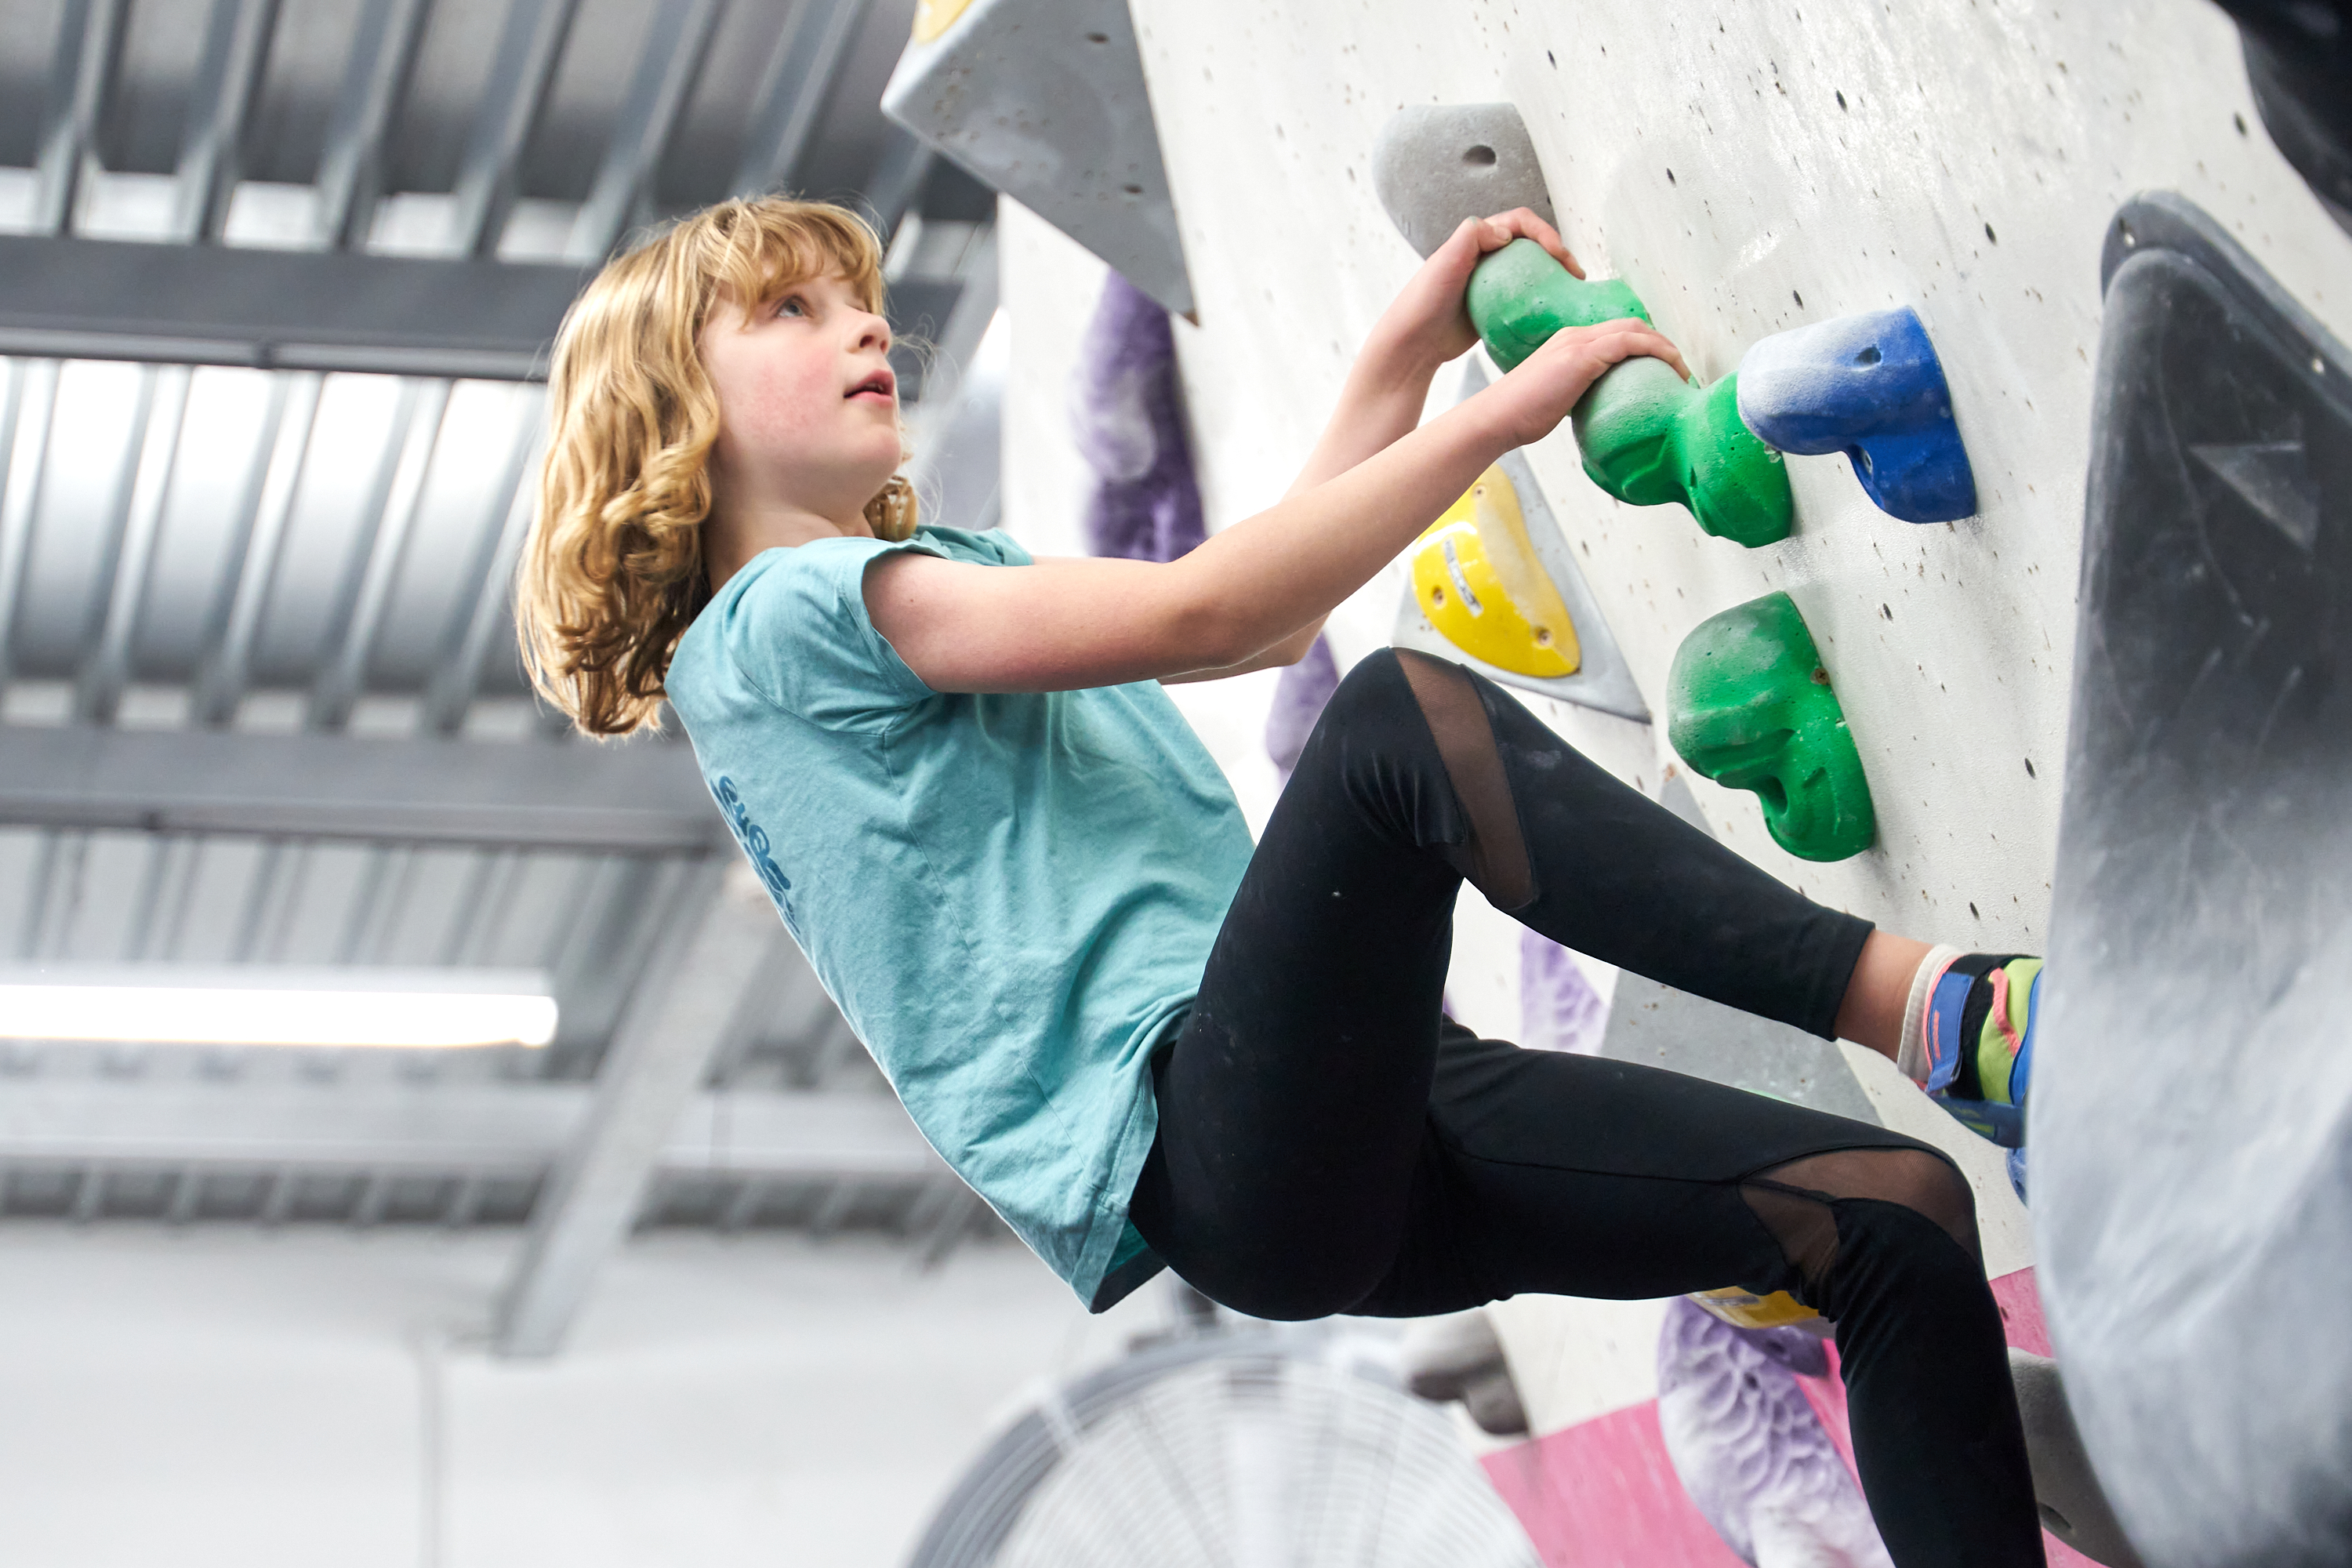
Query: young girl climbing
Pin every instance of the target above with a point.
(1143, 1041)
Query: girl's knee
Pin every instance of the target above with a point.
(1374, 682)
(1930, 1186)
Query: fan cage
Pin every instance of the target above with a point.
(1244, 1449)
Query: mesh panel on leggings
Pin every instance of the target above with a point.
(1793, 1200)
(1496, 856)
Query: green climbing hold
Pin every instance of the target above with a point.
(1647, 437)
(1749, 706)
(1518, 296)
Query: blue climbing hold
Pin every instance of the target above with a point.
(1870, 386)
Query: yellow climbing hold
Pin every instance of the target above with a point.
(1476, 577)
(933, 18)
(1746, 1309)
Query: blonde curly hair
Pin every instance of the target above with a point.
(611, 572)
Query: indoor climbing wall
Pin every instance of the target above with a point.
(1787, 192)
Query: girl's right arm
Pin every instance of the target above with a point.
(1269, 579)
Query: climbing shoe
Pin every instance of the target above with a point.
(1977, 1041)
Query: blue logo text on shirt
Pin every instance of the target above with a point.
(751, 836)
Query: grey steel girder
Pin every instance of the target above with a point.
(519, 1129)
(676, 1025)
(639, 798)
(202, 304)
(321, 310)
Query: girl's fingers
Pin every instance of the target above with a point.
(1634, 338)
(1657, 345)
(1522, 222)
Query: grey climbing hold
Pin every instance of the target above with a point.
(2065, 1490)
(2192, 1096)
(1438, 163)
(1044, 101)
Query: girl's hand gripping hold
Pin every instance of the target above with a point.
(1426, 325)
(1531, 401)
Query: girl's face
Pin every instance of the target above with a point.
(808, 405)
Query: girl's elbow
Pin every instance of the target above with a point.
(1199, 632)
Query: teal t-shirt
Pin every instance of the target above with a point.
(1010, 896)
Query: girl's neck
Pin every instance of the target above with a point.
(732, 537)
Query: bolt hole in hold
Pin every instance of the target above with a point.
(1868, 356)
(1478, 155)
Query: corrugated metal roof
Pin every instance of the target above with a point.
(252, 551)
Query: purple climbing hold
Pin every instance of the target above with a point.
(1299, 699)
(1127, 415)
(1558, 1008)
(1749, 1448)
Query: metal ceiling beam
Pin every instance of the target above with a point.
(799, 74)
(481, 615)
(365, 596)
(228, 80)
(898, 179)
(250, 557)
(677, 36)
(519, 75)
(90, 35)
(136, 522)
(641, 798)
(501, 1129)
(350, 170)
(395, 315)
(189, 304)
(674, 1027)
(31, 410)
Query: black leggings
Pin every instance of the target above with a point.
(1329, 1144)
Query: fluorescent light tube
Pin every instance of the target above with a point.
(400, 1009)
